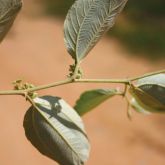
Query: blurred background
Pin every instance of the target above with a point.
(35, 52)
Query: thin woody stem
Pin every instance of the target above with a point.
(58, 83)
(12, 92)
(41, 87)
(74, 80)
(146, 75)
(121, 81)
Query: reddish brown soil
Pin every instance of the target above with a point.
(34, 51)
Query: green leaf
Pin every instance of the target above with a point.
(149, 92)
(86, 22)
(139, 108)
(57, 131)
(91, 99)
(8, 11)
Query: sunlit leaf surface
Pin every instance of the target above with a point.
(91, 99)
(57, 131)
(86, 22)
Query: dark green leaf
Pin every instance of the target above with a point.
(8, 11)
(91, 99)
(86, 22)
(150, 92)
(57, 131)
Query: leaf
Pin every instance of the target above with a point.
(150, 92)
(139, 108)
(157, 79)
(8, 12)
(86, 22)
(57, 131)
(91, 99)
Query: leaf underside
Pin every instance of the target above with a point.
(155, 90)
(8, 12)
(86, 22)
(91, 99)
(58, 134)
(157, 79)
(138, 107)
(149, 93)
(154, 86)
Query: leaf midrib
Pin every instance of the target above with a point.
(98, 30)
(65, 140)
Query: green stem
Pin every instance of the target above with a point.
(77, 67)
(74, 80)
(41, 87)
(146, 75)
(12, 92)
(121, 81)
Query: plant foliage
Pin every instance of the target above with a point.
(86, 22)
(8, 11)
(57, 131)
(50, 124)
(91, 99)
(149, 93)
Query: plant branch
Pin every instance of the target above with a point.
(41, 87)
(74, 80)
(58, 83)
(121, 81)
(12, 92)
(146, 75)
